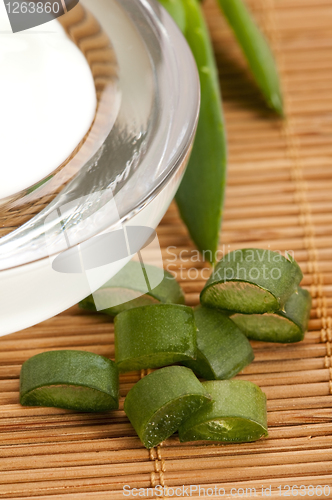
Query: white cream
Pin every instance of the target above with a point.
(47, 102)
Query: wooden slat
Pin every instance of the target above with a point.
(278, 197)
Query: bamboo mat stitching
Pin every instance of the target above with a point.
(305, 217)
(157, 476)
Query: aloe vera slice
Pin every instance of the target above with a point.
(236, 415)
(131, 288)
(76, 380)
(160, 402)
(223, 350)
(284, 326)
(154, 336)
(252, 281)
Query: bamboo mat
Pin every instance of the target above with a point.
(278, 197)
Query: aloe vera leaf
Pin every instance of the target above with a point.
(223, 350)
(76, 380)
(237, 414)
(154, 336)
(160, 402)
(252, 281)
(256, 50)
(200, 197)
(285, 326)
(131, 287)
(176, 9)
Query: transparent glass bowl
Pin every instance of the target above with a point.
(125, 174)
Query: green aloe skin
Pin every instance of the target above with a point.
(223, 350)
(160, 402)
(237, 414)
(200, 197)
(131, 287)
(252, 281)
(176, 9)
(75, 380)
(256, 50)
(154, 336)
(285, 326)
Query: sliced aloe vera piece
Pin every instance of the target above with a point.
(223, 350)
(251, 281)
(131, 287)
(76, 380)
(154, 336)
(237, 414)
(284, 326)
(160, 402)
